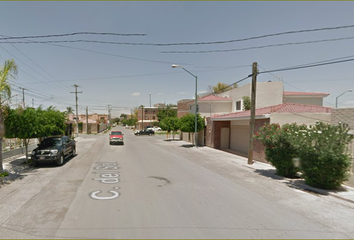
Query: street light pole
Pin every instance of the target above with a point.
(349, 90)
(196, 102)
(150, 109)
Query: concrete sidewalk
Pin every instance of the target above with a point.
(346, 193)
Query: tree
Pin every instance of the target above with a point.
(123, 115)
(132, 121)
(116, 120)
(7, 72)
(221, 87)
(246, 103)
(34, 123)
(187, 123)
(69, 110)
(166, 112)
(170, 124)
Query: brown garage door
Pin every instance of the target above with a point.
(239, 138)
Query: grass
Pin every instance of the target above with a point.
(4, 174)
(164, 133)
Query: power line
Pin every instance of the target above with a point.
(262, 36)
(265, 46)
(28, 66)
(75, 33)
(307, 66)
(143, 75)
(37, 65)
(231, 85)
(105, 53)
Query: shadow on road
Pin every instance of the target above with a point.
(271, 173)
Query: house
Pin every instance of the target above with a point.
(232, 131)
(228, 124)
(148, 116)
(183, 108)
(210, 105)
(267, 94)
(92, 118)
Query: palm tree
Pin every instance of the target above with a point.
(69, 110)
(7, 72)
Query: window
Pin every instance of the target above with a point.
(153, 117)
(238, 106)
(102, 118)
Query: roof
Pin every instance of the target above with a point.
(281, 108)
(209, 98)
(305, 94)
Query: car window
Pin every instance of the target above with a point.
(116, 133)
(50, 142)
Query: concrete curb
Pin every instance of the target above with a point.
(346, 194)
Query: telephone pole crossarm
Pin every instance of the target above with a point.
(77, 111)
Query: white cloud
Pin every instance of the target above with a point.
(136, 94)
(182, 93)
(200, 92)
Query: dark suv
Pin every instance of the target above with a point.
(145, 132)
(54, 149)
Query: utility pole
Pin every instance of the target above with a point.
(23, 96)
(109, 114)
(77, 111)
(86, 120)
(142, 117)
(253, 111)
(150, 111)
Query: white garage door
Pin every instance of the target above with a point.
(239, 138)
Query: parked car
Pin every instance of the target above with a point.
(156, 129)
(54, 149)
(144, 132)
(116, 137)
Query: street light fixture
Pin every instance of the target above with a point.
(349, 90)
(196, 101)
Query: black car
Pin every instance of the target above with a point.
(54, 149)
(144, 132)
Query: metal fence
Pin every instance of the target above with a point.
(9, 144)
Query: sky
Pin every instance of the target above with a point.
(123, 76)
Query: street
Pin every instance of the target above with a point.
(152, 188)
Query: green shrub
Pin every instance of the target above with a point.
(279, 150)
(325, 162)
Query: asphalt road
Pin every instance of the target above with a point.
(151, 188)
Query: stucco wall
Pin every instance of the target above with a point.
(344, 115)
(267, 94)
(308, 101)
(206, 109)
(300, 118)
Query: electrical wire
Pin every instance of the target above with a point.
(29, 67)
(192, 43)
(264, 46)
(307, 66)
(38, 66)
(75, 33)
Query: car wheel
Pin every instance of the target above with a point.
(150, 134)
(34, 163)
(60, 161)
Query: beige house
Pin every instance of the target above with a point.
(231, 131)
(268, 94)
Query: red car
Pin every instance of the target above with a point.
(116, 137)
